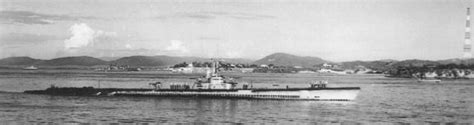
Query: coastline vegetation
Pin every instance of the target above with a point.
(441, 71)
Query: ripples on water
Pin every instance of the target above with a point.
(381, 101)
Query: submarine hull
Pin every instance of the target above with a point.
(317, 94)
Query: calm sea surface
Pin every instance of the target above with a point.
(381, 101)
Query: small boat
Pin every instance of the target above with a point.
(30, 68)
(214, 85)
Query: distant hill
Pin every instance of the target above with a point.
(281, 59)
(19, 61)
(387, 60)
(76, 61)
(131, 60)
(376, 65)
(168, 60)
(109, 58)
(147, 60)
(237, 60)
(383, 65)
(284, 59)
(457, 61)
(414, 62)
(386, 64)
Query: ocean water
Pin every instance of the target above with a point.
(381, 101)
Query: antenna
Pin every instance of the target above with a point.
(218, 56)
(467, 36)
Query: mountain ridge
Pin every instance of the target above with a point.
(159, 60)
(285, 59)
(22, 60)
(281, 59)
(74, 61)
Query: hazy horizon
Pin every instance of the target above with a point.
(341, 30)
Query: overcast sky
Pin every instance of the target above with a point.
(336, 30)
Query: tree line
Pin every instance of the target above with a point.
(451, 70)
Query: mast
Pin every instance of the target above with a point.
(214, 67)
(467, 36)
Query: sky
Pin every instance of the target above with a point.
(335, 30)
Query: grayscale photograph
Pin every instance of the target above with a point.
(288, 62)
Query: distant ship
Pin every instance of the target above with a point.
(214, 85)
(30, 68)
